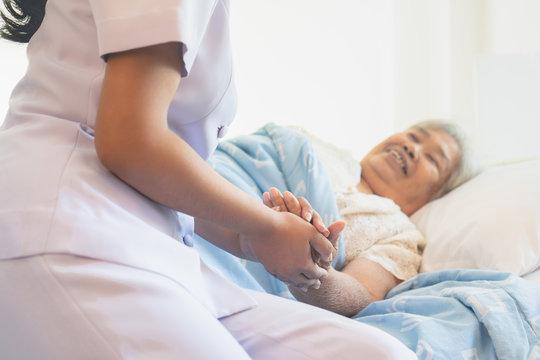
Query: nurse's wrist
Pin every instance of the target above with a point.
(256, 232)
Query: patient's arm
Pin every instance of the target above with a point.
(349, 291)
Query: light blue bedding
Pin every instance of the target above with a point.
(452, 314)
(462, 314)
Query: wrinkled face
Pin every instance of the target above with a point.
(410, 167)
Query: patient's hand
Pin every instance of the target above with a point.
(299, 206)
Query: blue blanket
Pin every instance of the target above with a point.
(462, 314)
(453, 314)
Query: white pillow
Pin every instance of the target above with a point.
(491, 222)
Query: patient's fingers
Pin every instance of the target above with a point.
(304, 288)
(311, 276)
(317, 284)
(322, 251)
(266, 199)
(316, 219)
(303, 282)
(277, 199)
(307, 210)
(293, 205)
(335, 230)
(319, 225)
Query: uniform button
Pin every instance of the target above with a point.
(222, 131)
(87, 130)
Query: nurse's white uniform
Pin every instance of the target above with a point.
(90, 268)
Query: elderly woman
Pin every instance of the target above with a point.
(397, 177)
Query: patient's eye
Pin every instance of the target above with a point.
(413, 137)
(433, 160)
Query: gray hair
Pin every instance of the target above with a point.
(467, 166)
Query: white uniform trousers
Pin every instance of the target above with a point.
(66, 307)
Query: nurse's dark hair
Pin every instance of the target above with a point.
(21, 19)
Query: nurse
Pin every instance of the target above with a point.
(104, 180)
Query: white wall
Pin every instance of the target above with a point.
(326, 67)
(508, 78)
(513, 27)
(356, 70)
(436, 43)
(472, 61)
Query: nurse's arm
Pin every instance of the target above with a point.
(219, 236)
(134, 142)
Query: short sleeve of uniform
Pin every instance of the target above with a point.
(128, 24)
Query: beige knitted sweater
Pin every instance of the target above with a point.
(376, 228)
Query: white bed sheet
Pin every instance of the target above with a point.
(534, 277)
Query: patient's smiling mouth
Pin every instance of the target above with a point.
(400, 159)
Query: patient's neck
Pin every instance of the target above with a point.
(364, 187)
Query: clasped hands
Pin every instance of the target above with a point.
(299, 206)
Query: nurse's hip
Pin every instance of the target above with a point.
(65, 306)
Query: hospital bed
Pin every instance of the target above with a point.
(478, 296)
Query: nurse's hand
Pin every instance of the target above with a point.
(299, 206)
(286, 245)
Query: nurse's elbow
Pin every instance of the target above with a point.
(108, 152)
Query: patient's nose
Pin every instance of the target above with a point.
(410, 150)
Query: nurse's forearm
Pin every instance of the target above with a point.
(219, 236)
(166, 169)
(134, 142)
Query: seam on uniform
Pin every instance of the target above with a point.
(58, 187)
(77, 307)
